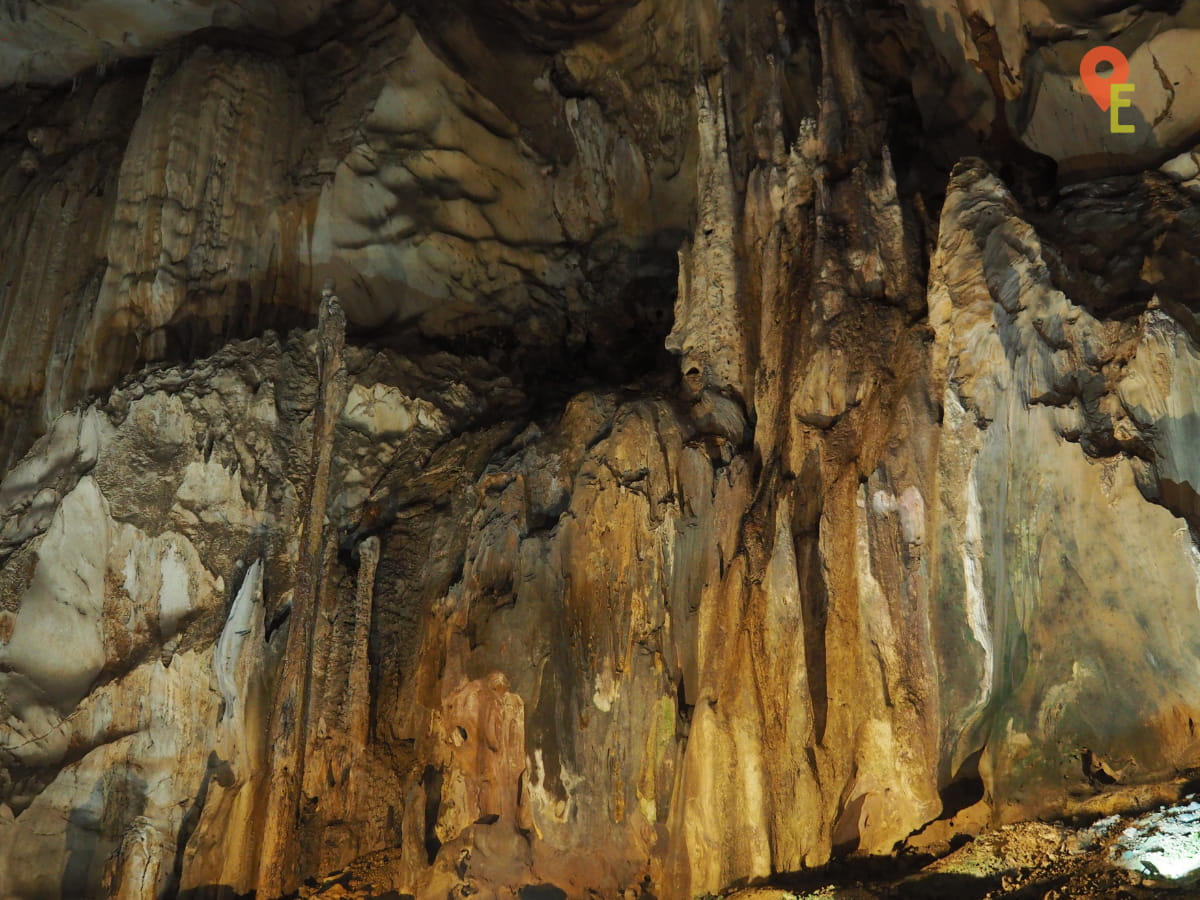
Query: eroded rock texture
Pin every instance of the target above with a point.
(731, 436)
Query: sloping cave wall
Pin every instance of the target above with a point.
(741, 430)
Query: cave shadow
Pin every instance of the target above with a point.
(214, 892)
(847, 871)
(941, 885)
(88, 824)
(226, 892)
(895, 877)
(542, 892)
(216, 769)
(83, 829)
(623, 341)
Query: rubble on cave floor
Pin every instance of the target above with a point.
(1153, 854)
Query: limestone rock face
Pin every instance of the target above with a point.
(209, 196)
(1011, 70)
(43, 40)
(1047, 414)
(621, 449)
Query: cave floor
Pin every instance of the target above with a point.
(1154, 854)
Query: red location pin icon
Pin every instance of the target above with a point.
(1099, 86)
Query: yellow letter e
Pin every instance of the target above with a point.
(1116, 103)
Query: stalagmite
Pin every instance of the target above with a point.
(292, 718)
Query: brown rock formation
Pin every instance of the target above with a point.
(739, 448)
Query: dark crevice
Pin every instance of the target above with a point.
(431, 781)
(276, 622)
(806, 524)
(542, 892)
(682, 707)
(965, 790)
(192, 335)
(621, 343)
(1095, 770)
(216, 769)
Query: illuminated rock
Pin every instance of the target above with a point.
(730, 449)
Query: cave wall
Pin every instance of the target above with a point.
(689, 482)
(208, 193)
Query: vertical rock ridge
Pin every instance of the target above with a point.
(292, 719)
(356, 712)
